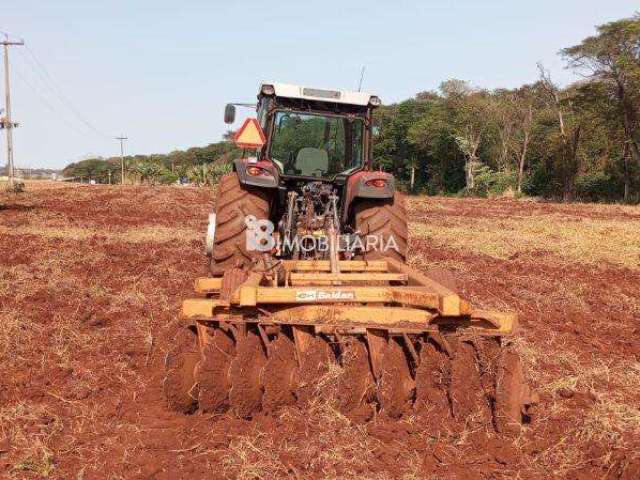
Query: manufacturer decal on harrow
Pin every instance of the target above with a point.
(323, 295)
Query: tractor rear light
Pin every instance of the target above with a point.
(376, 182)
(257, 172)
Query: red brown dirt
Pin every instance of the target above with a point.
(88, 308)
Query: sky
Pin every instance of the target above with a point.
(161, 72)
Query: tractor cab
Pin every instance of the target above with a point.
(311, 133)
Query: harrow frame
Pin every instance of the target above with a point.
(306, 294)
(263, 336)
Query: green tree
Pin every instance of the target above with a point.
(613, 58)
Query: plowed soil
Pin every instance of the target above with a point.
(91, 280)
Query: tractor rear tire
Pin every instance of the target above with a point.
(384, 219)
(234, 203)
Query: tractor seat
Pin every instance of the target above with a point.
(312, 162)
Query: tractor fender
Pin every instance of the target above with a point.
(267, 180)
(359, 186)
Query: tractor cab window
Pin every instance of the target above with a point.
(310, 145)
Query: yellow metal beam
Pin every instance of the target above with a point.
(198, 307)
(205, 285)
(417, 297)
(451, 305)
(330, 316)
(336, 315)
(505, 322)
(307, 278)
(429, 294)
(345, 265)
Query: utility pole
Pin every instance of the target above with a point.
(109, 171)
(6, 122)
(122, 138)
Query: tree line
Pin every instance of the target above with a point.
(578, 142)
(199, 165)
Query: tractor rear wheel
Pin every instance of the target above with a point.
(234, 203)
(385, 220)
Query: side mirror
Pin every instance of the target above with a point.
(229, 113)
(375, 131)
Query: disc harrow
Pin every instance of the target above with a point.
(388, 339)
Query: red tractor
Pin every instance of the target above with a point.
(308, 247)
(312, 178)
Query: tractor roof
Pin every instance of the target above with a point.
(319, 94)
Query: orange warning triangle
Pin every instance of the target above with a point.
(250, 135)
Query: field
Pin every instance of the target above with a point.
(91, 279)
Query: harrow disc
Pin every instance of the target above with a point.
(179, 386)
(314, 359)
(512, 393)
(395, 385)
(212, 373)
(433, 377)
(246, 392)
(469, 404)
(280, 373)
(356, 387)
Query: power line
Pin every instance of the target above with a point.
(52, 85)
(43, 91)
(46, 102)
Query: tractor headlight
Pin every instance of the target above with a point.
(375, 101)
